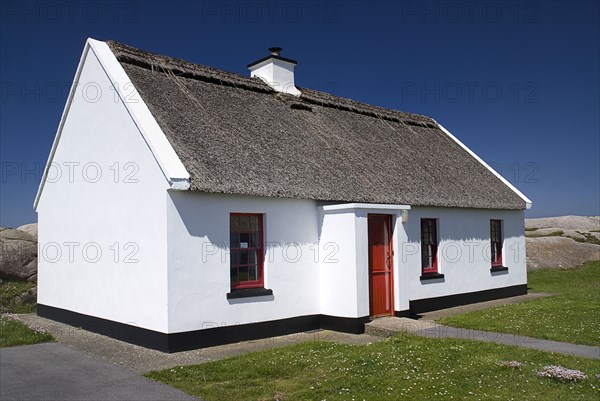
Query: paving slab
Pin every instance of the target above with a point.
(54, 371)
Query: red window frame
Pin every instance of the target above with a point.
(496, 242)
(246, 250)
(429, 246)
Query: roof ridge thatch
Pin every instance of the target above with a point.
(236, 135)
(161, 63)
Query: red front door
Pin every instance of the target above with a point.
(380, 264)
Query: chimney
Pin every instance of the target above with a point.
(276, 71)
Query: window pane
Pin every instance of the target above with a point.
(234, 240)
(244, 223)
(425, 257)
(495, 230)
(255, 243)
(428, 244)
(245, 237)
(243, 257)
(243, 273)
(252, 257)
(496, 241)
(244, 240)
(254, 223)
(235, 259)
(234, 225)
(252, 273)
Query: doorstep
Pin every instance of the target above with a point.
(388, 326)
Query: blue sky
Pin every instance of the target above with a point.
(517, 82)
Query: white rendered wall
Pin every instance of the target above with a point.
(463, 252)
(198, 258)
(338, 271)
(120, 212)
(345, 288)
(463, 256)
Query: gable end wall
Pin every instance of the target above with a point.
(102, 212)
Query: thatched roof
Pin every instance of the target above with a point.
(236, 135)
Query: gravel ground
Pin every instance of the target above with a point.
(142, 360)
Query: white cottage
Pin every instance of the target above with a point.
(184, 206)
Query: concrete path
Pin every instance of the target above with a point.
(513, 339)
(388, 326)
(88, 366)
(55, 372)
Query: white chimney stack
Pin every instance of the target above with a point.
(276, 71)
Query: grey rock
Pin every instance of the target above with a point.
(30, 229)
(18, 255)
(14, 234)
(33, 278)
(27, 298)
(32, 267)
(581, 223)
(559, 252)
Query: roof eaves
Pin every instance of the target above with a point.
(162, 150)
(528, 202)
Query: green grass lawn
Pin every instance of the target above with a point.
(13, 332)
(11, 289)
(402, 367)
(571, 316)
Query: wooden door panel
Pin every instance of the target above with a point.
(380, 264)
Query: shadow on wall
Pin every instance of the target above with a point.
(199, 238)
(465, 238)
(207, 215)
(200, 217)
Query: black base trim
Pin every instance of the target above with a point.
(124, 332)
(402, 313)
(208, 337)
(249, 292)
(219, 335)
(498, 269)
(354, 325)
(449, 301)
(240, 332)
